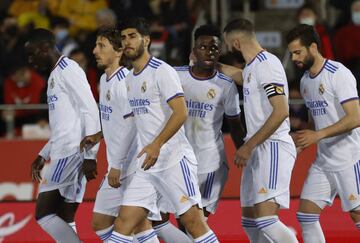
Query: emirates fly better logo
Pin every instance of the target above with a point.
(8, 226)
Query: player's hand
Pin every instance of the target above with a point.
(89, 169)
(114, 177)
(152, 152)
(305, 138)
(36, 168)
(89, 141)
(242, 155)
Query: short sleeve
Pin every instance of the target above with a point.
(168, 82)
(231, 102)
(345, 86)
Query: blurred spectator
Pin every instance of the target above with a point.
(298, 112)
(125, 9)
(80, 13)
(38, 16)
(346, 41)
(64, 42)
(23, 86)
(19, 7)
(174, 19)
(79, 56)
(307, 14)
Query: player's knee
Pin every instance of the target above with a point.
(193, 220)
(355, 214)
(97, 225)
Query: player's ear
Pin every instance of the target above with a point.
(313, 48)
(147, 41)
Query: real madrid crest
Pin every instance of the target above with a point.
(321, 89)
(108, 95)
(143, 87)
(52, 83)
(211, 94)
(249, 78)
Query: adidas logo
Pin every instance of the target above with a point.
(184, 199)
(262, 190)
(352, 197)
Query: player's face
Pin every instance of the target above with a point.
(207, 51)
(38, 57)
(105, 54)
(300, 55)
(233, 45)
(134, 44)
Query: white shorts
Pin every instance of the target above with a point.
(321, 187)
(267, 174)
(211, 186)
(177, 187)
(65, 175)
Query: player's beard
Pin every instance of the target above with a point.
(308, 62)
(137, 54)
(238, 55)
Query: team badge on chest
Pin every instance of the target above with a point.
(108, 95)
(211, 94)
(321, 89)
(143, 87)
(52, 83)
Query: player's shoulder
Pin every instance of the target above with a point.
(224, 79)
(156, 63)
(337, 69)
(161, 67)
(122, 73)
(66, 66)
(267, 60)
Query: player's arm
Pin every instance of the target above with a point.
(233, 72)
(39, 162)
(176, 120)
(90, 141)
(280, 112)
(348, 122)
(236, 130)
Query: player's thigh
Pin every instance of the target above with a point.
(179, 186)
(318, 189)
(67, 211)
(48, 203)
(348, 186)
(101, 221)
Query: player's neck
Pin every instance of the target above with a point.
(55, 58)
(317, 66)
(111, 69)
(140, 63)
(199, 72)
(250, 50)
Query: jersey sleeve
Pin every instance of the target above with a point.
(231, 102)
(168, 82)
(345, 85)
(78, 87)
(271, 77)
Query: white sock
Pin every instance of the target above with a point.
(275, 229)
(105, 234)
(208, 237)
(358, 225)
(73, 226)
(171, 234)
(148, 236)
(311, 228)
(119, 238)
(58, 229)
(253, 233)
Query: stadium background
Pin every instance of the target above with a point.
(23, 125)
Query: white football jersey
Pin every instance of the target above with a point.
(207, 101)
(118, 123)
(149, 93)
(324, 95)
(263, 70)
(73, 112)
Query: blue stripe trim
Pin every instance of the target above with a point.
(119, 239)
(151, 65)
(211, 184)
(332, 65)
(357, 176)
(157, 227)
(261, 226)
(225, 78)
(330, 68)
(146, 237)
(156, 64)
(56, 169)
(276, 163)
(331, 71)
(106, 235)
(208, 184)
(353, 98)
(207, 239)
(61, 170)
(185, 177)
(174, 96)
(155, 61)
(271, 164)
